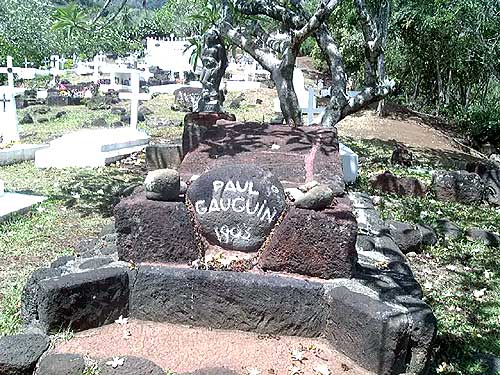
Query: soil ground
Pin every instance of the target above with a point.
(185, 349)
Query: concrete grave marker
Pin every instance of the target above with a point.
(237, 205)
(134, 97)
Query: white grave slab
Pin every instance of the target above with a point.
(14, 203)
(18, 153)
(91, 148)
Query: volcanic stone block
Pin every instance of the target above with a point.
(236, 206)
(459, 186)
(61, 364)
(83, 300)
(367, 330)
(131, 366)
(314, 243)
(154, 231)
(228, 300)
(294, 155)
(408, 237)
(389, 183)
(19, 353)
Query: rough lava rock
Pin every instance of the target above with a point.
(492, 182)
(408, 238)
(131, 366)
(458, 186)
(237, 206)
(314, 243)
(163, 185)
(389, 183)
(61, 364)
(488, 238)
(19, 353)
(317, 198)
(154, 231)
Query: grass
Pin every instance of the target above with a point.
(461, 278)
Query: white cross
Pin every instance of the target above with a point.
(311, 110)
(8, 113)
(134, 96)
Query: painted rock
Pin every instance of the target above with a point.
(236, 206)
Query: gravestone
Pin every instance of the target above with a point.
(236, 206)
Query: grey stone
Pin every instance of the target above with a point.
(43, 120)
(99, 123)
(491, 362)
(487, 237)
(163, 185)
(318, 198)
(19, 353)
(31, 293)
(42, 110)
(27, 119)
(257, 303)
(458, 186)
(237, 206)
(94, 263)
(183, 187)
(118, 111)
(131, 366)
(60, 114)
(145, 110)
(429, 236)
(126, 118)
(448, 229)
(61, 364)
(492, 182)
(163, 156)
(407, 237)
(61, 261)
(83, 300)
(495, 158)
(348, 326)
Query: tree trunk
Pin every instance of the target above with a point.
(338, 101)
(381, 76)
(289, 104)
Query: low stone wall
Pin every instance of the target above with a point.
(376, 318)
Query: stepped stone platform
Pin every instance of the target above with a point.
(262, 243)
(91, 148)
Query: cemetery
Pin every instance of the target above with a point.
(239, 188)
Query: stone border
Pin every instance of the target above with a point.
(377, 318)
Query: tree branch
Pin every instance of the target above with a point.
(267, 60)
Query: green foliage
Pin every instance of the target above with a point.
(445, 55)
(69, 19)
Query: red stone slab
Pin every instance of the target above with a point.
(294, 155)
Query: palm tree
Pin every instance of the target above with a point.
(69, 18)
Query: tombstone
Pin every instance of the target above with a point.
(236, 206)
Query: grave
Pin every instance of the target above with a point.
(262, 239)
(9, 133)
(94, 148)
(14, 203)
